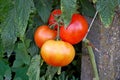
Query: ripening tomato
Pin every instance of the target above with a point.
(53, 16)
(75, 31)
(42, 34)
(57, 53)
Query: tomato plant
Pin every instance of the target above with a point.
(57, 53)
(19, 59)
(76, 30)
(42, 34)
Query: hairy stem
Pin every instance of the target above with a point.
(92, 59)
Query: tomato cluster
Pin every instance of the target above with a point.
(60, 52)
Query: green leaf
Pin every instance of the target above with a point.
(44, 8)
(42, 78)
(62, 76)
(1, 78)
(87, 8)
(8, 74)
(34, 69)
(106, 10)
(16, 23)
(65, 76)
(50, 72)
(27, 43)
(20, 73)
(5, 6)
(23, 8)
(5, 70)
(33, 49)
(22, 56)
(8, 34)
(17, 78)
(1, 49)
(68, 8)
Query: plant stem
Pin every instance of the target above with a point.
(59, 71)
(92, 58)
(91, 24)
(58, 33)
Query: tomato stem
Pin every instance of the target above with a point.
(59, 71)
(52, 26)
(58, 32)
(42, 61)
(92, 58)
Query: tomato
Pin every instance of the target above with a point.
(75, 31)
(57, 53)
(53, 16)
(42, 34)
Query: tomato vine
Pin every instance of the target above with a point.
(20, 50)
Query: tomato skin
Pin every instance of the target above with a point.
(42, 34)
(54, 14)
(57, 53)
(76, 30)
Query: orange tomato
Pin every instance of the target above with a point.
(57, 53)
(42, 34)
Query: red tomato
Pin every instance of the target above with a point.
(53, 16)
(42, 34)
(57, 53)
(76, 30)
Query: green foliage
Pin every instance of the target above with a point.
(33, 49)
(8, 34)
(44, 8)
(22, 9)
(20, 73)
(106, 10)
(15, 25)
(87, 8)
(22, 56)
(19, 56)
(5, 70)
(64, 77)
(50, 72)
(34, 69)
(5, 6)
(2, 49)
(68, 8)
